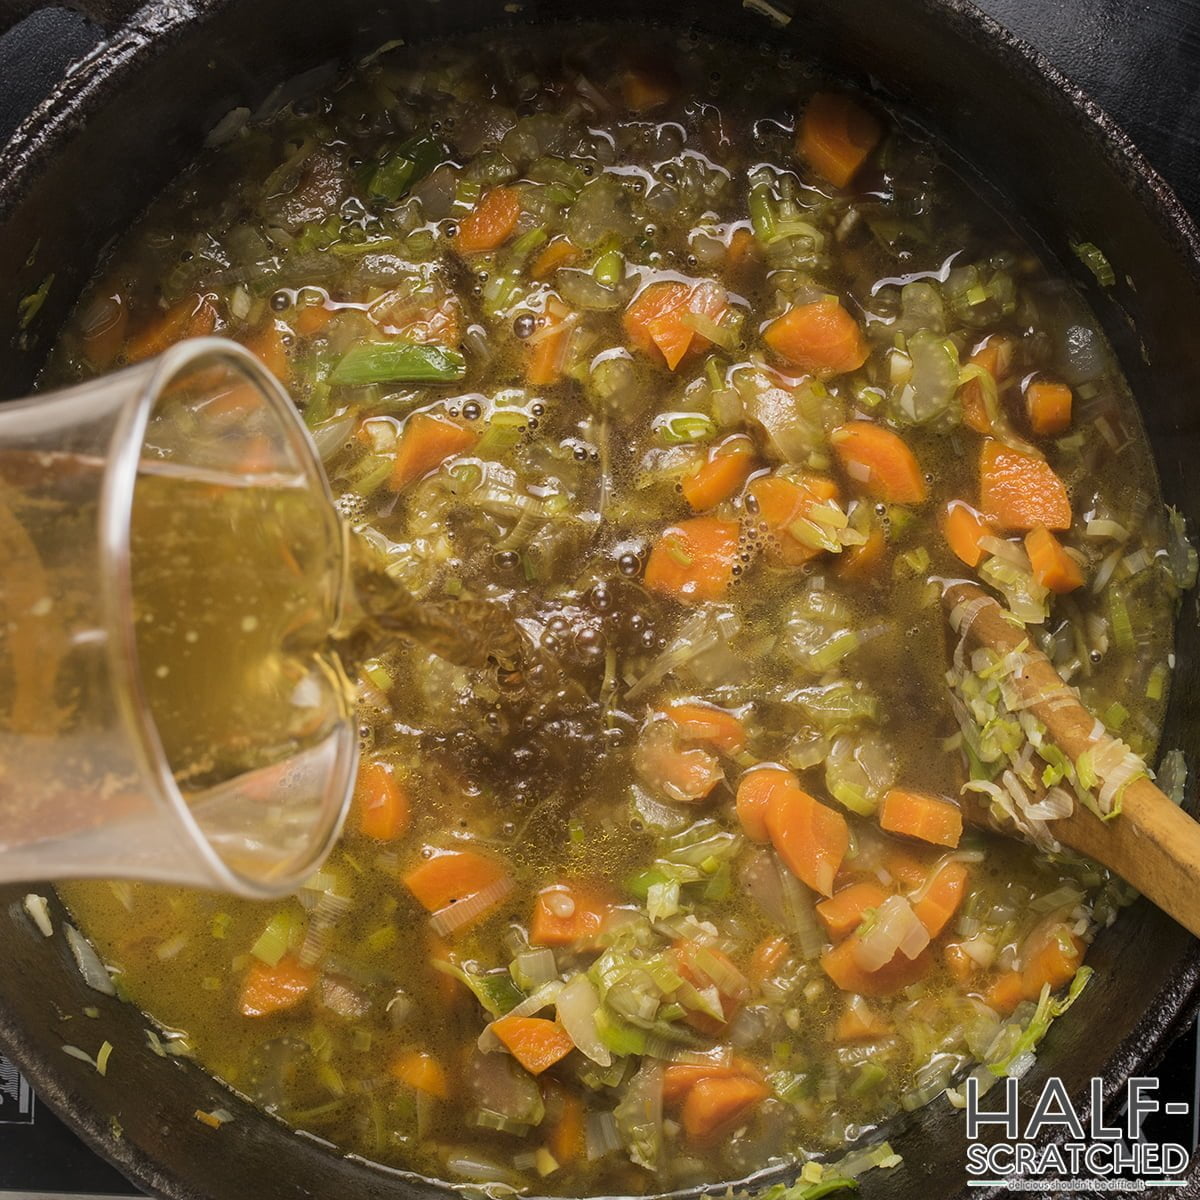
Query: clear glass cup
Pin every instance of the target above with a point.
(171, 569)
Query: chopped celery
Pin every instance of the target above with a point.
(398, 362)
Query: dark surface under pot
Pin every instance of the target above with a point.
(150, 98)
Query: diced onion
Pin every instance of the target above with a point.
(577, 1005)
(897, 929)
(94, 973)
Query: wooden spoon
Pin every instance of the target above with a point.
(1152, 844)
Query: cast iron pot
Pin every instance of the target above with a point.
(135, 111)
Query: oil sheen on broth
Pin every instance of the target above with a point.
(695, 367)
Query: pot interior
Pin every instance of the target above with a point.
(132, 118)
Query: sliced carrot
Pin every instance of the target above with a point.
(836, 136)
(942, 897)
(381, 803)
(426, 442)
(545, 354)
(1053, 960)
(685, 773)
(784, 503)
(841, 965)
(421, 1072)
(714, 1105)
(1019, 491)
(768, 954)
(1005, 992)
(267, 989)
(810, 838)
(267, 345)
(680, 1078)
(821, 337)
(920, 815)
(557, 253)
(448, 876)
(655, 321)
(721, 475)
(707, 723)
(535, 1042)
(843, 912)
(194, 316)
(994, 356)
(879, 462)
(754, 797)
(310, 319)
(646, 87)
(741, 251)
(963, 528)
(568, 1141)
(1052, 566)
(1048, 406)
(862, 561)
(860, 1022)
(558, 923)
(693, 561)
(908, 865)
(491, 222)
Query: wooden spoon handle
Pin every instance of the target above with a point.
(1152, 844)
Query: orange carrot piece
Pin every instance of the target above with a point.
(908, 865)
(381, 803)
(267, 989)
(841, 965)
(859, 1022)
(426, 442)
(962, 528)
(754, 798)
(863, 561)
(768, 954)
(310, 319)
(721, 474)
(707, 723)
(655, 319)
(810, 838)
(843, 912)
(693, 561)
(1052, 957)
(714, 1105)
(535, 1042)
(450, 991)
(836, 136)
(578, 927)
(1052, 566)
(1048, 406)
(942, 897)
(1005, 992)
(557, 253)
(421, 1072)
(448, 876)
(821, 337)
(491, 222)
(994, 356)
(646, 87)
(568, 1142)
(194, 316)
(920, 815)
(741, 251)
(879, 462)
(680, 1078)
(781, 502)
(544, 357)
(1019, 491)
(267, 345)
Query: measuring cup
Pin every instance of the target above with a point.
(171, 567)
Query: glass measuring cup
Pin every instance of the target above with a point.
(171, 568)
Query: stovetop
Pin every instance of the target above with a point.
(1111, 47)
